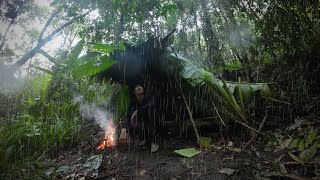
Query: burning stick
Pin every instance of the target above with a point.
(108, 144)
(109, 137)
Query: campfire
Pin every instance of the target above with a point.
(109, 137)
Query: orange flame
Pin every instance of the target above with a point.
(108, 140)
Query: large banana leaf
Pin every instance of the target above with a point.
(91, 66)
(235, 94)
(92, 62)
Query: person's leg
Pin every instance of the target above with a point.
(153, 121)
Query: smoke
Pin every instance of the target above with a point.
(9, 82)
(91, 111)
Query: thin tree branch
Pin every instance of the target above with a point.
(215, 108)
(253, 137)
(190, 113)
(188, 108)
(40, 38)
(49, 37)
(242, 123)
(50, 58)
(42, 42)
(119, 29)
(41, 69)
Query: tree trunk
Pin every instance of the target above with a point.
(42, 41)
(119, 29)
(210, 37)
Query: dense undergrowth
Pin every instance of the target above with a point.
(42, 125)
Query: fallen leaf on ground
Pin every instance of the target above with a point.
(295, 125)
(308, 154)
(188, 152)
(142, 172)
(279, 158)
(94, 162)
(227, 171)
(234, 149)
(205, 141)
(296, 158)
(71, 176)
(286, 142)
(63, 169)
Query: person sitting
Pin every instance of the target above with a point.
(143, 120)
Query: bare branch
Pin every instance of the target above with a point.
(42, 42)
(41, 69)
(45, 54)
(49, 37)
(40, 38)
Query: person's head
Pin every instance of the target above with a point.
(138, 89)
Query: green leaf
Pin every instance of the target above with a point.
(294, 143)
(286, 142)
(168, 8)
(265, 91)
(205, 141)
(225, 91)
(76, 50)
(272, 140)
(189, 152)
(312, 135)
(89, 56)
(301, 145)
(245, 92)
(107, 48)
(308, 154)
(5, 156)
(31, 101)
(123, 101)
(92, 67)
(296, 158)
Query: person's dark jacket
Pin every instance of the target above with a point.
(147, 102)
(149, 119)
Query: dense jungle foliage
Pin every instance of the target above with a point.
(249, 67)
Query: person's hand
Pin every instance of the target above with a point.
(134, 118)
(123, 135)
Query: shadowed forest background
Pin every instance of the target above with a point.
(238, 80)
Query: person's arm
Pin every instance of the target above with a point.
(129, 114)
(150, 102)
(127, 121)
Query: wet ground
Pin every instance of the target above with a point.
(137, 162)
(222, 161)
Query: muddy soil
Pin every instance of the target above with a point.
(137, 162)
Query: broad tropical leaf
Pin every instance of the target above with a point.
(123, 100)
(234, 93)
(108, 48)
(92, 66)
(76, 51)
